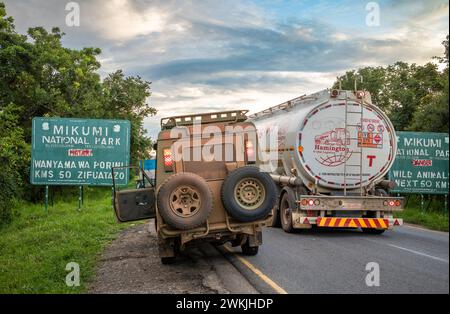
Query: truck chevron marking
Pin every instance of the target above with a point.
(378, 223)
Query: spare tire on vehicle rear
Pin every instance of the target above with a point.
(184, 201)
(248, 194)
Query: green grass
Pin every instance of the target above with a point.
(36, 246)
(434, 217)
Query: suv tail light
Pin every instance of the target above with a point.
(250, 152)
(168, 159)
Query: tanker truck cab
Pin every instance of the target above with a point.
(331, 153)
(208, 185)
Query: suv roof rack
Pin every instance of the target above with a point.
(204, 118)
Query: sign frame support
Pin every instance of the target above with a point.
(80, 196)
(46, 199)
(446, 203)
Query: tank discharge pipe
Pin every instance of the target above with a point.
(286, 180)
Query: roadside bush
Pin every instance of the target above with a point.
(14, 160)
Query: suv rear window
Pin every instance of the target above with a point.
(212, 165)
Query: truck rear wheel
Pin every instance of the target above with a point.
(168, 260)
(248, 194)
(286, 207)
(276, 222)
(185, 201)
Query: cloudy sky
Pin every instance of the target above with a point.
(207, 55)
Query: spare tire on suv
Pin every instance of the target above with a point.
(185, 201)
(248, 194)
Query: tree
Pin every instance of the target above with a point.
(125, 98)
(414, 97)
(40, 77)
(433, 112)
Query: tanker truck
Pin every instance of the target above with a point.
(329, 153)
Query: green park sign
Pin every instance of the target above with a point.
(421, 165)
(79, 151)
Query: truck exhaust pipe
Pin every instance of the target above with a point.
(294, 181)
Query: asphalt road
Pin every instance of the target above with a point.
(410, 259)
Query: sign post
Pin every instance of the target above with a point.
(46, 198)
(80, 197)
(72, 151)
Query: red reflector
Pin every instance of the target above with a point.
(168, 160)
(250, 151)
(396, 223)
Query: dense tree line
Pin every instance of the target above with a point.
(40, 77)
(414, 96)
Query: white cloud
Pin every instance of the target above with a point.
(212, 55)
(119, 20)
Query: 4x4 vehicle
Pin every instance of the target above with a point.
(208, 185)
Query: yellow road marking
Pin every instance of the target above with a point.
(259, 273)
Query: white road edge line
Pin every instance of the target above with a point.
(408, 226)
(419, 253)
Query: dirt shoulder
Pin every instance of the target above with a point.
(131, 265)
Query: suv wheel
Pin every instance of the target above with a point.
(248, 194)
(249, 250)
(185, 201)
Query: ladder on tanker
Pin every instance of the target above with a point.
(350, 110)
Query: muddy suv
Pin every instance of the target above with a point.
(208, 185)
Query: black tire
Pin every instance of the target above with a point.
(249, 250)
(168, 260)
(276, 221)
(286, 206)
(184, 201)
(373, 231)
(263, 194)
(381, 192)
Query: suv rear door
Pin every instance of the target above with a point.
(134, 204)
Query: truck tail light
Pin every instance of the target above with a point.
(397, 203)
(310, 202)
(168, 159)
(391, 203)
(250, 152)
